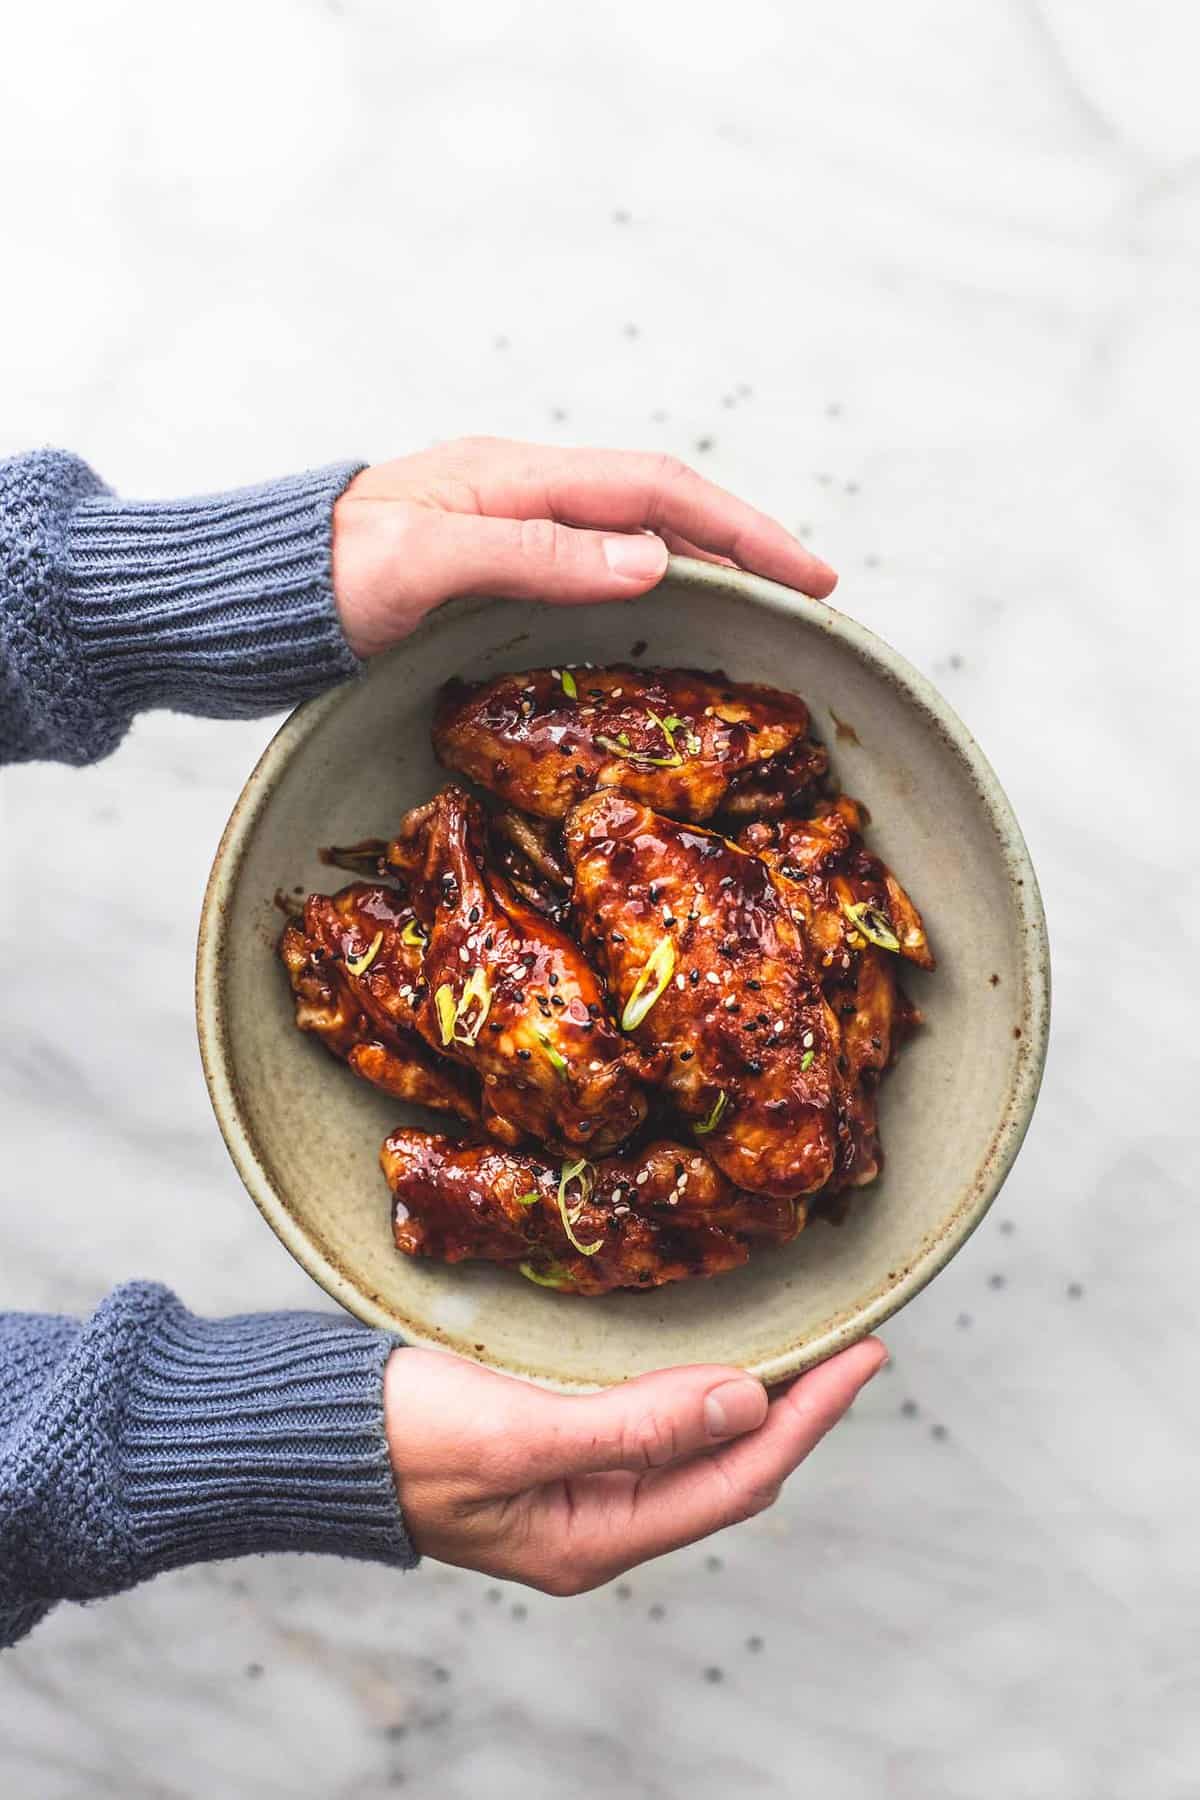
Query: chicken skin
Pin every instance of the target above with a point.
(684, 742)
(709, 971)
(662, 1214)
(507, 994)
(857, 920)
(354, 973)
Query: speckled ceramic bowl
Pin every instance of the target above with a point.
(305, 1134)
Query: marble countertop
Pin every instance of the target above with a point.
(923, 280)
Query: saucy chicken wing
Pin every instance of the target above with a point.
(857, 920)
(708, 970)
(354, 969)
(684, 742)
(641, 1220)
(507, 994)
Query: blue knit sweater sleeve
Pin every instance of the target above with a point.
(220, 605)
(146, 1437)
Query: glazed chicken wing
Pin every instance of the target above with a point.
(354, 966)
(684, 742)
(507, 994)
(641, 1220)
(857, 920)
(709, 970)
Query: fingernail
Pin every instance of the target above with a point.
(637, 558)
(734, 1407)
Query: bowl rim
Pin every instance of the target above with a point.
(1034, 1017)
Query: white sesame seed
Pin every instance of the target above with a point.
(464, 955)
(515, 969)
(616, 1194)
(778, 1025)
(730, 1002)
(672, 1199)
(807, 1040)
(643, 1176)
(711, 975)
(617, 692)
(681, 981)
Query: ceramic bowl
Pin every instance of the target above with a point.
(305, 1134)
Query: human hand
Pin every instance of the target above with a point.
(565, 1492)
(528, 522)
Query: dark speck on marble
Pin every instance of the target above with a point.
(713, 1564)
(963, 1321)
(754, 1644)
(871, 562)
(939, 1432)
(1007, 1227)
(631, 331)
(657, 1611)
(997, 1281)
(624, 1591)
(519, 1610)
(704, 443)
(659, 416)
(500, 343)
(909, 1409)
(713, 1674)
(254, 1670)
(621, 217)
(1075, 1290)
(495, 1596)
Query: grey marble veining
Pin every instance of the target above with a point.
(924, 281)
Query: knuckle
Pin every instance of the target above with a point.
(540, 540)
(671, 469)
(758, 1499)
(652, 1441)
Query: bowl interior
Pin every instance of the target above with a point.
(305, 1134)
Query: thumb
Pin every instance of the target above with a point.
(537, 559)
(647, 1423)
(393, 561)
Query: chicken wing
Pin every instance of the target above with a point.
(857, 920)
(507, 994)
(354, 970)
(678, 739)
(707, 965)
(640, 1220)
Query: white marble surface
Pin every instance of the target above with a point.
(924, 280)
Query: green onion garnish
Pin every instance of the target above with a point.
(358, 965)
(586, 1175)
(568, 685)
(806, 1060)
(874, 924)
(478, 992)
(714, 1117)
(414, 934)
(447, 1011)
(649, 984)
(529, 1199)
(555, 1276)
(554, 1057)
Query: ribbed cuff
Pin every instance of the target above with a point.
(221, 605)
(256, 1434)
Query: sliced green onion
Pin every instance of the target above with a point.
(358, 965)
(555, 1276)
(414, 934)
(623, 738)
(447, 1011)
(671, 723)
(529, 1199)
(806, 1060)
(616, 748)
(568, 685)
(555, 1057)
(650, 984)
(714, 1117)
(478, 992)
(586, 1175)
(874, 924)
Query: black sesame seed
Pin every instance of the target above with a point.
(553, 979)
(593, 1010)
(580, 772)
(754, 986)
(615, 938)
(557, 1000)
(754, 1066)
(686, 1055)
(524, 1055)
(563, 749)
(694, 977)
(473, 916)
